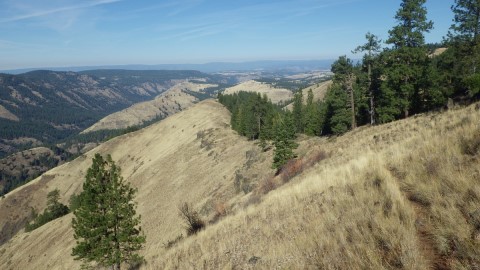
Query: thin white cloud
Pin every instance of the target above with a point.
(42, 13)
(188, 32)
(8, 44)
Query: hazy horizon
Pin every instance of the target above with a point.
(260, 65)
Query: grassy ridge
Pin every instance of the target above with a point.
(402, 195)
(405, 196)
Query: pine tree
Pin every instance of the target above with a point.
(311, 116)
(371, 47)
(467, 19)
(105, 225)
(298, 111)
(412, 24)
(465, 42)
(284, 140)
(337, 114)
(54, 210)
(345, 78)
(405, 63)
(387, 108)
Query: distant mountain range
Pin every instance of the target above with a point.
(273, 65)
(43, 107)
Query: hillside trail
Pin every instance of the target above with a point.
(424, 230)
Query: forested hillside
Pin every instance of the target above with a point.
(44, 107)
(399, 78)
(26, 165)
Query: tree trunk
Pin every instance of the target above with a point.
(350, 79)
(259, 126)
(405, 96)
(372, 108)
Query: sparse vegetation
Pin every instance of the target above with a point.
(54, 210)
(171, 243)
(191, 219)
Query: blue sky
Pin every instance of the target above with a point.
(56, 33)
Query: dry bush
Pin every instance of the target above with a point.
(297, 166)
(220, 209)
(191, 218)
(267, 185)
(316, 157)
(293, 168)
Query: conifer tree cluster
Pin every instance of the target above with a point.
(405, 78)
(395, 82)
(256, 117)
(252, 114)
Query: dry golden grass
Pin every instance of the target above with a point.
(276, 95)
(319, 91)
(188, 157)
(403, 195)
(355, 209)
(438, 52)
(168, 103)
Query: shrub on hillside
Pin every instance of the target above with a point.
(296, 166)
(191, 218)
(220, 211)
(267, 185)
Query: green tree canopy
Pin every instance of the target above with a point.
(371, 48)
(464, 42)
(298, 111)
(105, 225)
(284, 139)
(412, 24)
(467, 19)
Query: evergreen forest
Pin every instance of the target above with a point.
(395, 79)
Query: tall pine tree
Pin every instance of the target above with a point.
(105, 225)
(406, 62)
(372, 48)
(342, 96)
(311, 116)
(465, 43)
(337, 112)
(298, 111)
(284, 140)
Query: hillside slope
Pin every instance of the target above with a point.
(169, 102)
(49, 106)
(276, 95)
(188, 157)
(28, 164)
(403, 195)
(319, 91)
